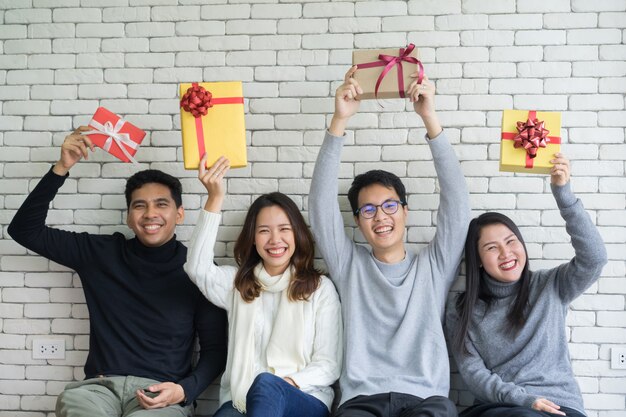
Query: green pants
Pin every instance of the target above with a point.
(112, 396)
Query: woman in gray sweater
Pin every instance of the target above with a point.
(507, 330)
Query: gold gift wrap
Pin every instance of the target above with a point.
(221, 131)
(518, 159)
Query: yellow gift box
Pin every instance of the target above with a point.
(212, 121)
(516, 125)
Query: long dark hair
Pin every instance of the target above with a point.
(475, 287)
(306, 278)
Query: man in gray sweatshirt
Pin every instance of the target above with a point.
(393, 299)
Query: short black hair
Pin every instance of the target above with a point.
(151, 176)
(375, 176)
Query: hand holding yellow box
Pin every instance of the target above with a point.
(212, 121)
(529, 141)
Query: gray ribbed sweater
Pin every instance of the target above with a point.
(393, 313)
(502, 367)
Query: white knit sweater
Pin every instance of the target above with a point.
(322, 315)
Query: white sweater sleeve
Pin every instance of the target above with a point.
(325, 365)
(215, 282)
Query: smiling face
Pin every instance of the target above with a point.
(384, 232)
(153, 215)
(274, 239)
(501, 253)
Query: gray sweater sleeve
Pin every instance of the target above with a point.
(486, 386)
(574, 277)
(453, 214)
(324, 213)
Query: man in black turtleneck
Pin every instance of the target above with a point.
(144, 311)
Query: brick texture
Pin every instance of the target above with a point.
(60, 60)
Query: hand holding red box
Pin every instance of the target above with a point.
(115, 135)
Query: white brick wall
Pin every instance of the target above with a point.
(60, 59)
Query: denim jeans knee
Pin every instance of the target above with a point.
(227, 410)
(271, 396)
(264, 379)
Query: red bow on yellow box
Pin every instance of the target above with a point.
(212, 122)
(527, 145)
(531, 135)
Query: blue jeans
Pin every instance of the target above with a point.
(272, 396)
(227, 410)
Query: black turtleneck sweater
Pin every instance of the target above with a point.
(144, 310)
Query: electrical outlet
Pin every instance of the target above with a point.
(618, 358)
(48, 348)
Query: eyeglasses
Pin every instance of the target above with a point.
(368, 211)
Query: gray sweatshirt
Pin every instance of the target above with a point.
(393, 313)
(503, 367)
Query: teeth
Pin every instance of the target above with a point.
(277, 251)
(383, 229)
(508, 265)
(152, 227)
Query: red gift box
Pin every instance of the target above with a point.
(115, 135)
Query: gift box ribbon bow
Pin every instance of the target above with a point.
(531, 135)
(389, 61)
(197, 100)
(122, 140)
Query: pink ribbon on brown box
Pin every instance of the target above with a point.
(389, 61)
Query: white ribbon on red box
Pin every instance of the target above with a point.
(113, 132)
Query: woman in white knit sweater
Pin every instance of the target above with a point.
(285, 329)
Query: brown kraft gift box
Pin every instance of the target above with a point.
(389, 85)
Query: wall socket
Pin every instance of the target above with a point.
(618, 357)
(48, 348)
